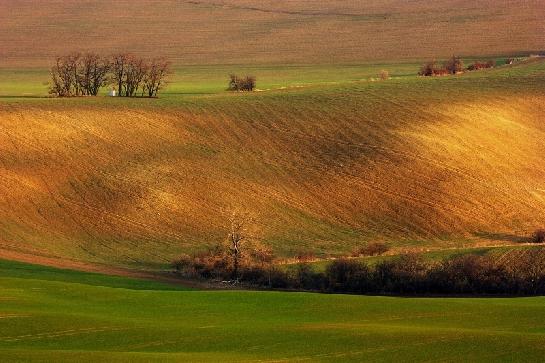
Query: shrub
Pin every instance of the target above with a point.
(406, 274)
(306, 278)
(428, 69)
(469, 274)
(371, 249)
(348, 276)
(454, 65)
(182, 263)
(305, 256)
(237, 83)
(481, 65)
(279, 279)
(538, 236)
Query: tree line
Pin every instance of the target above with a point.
(84, 74)
(242, 258)
(455, 65)
(406, 274)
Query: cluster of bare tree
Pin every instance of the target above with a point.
(453, 65)
(477, 65)
(83, 74)
(78, 74)
(237, 83)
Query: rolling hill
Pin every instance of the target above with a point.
(249, 32)
(323, 156)
(67, 316)
(418, 163)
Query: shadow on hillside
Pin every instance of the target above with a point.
(508, 237)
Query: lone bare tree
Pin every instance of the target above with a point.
(241, 239)
(237, 236)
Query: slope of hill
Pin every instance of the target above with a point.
(414, 162)
(32, 32)
(78, 317)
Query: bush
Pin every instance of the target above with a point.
(237, 83)
(406, 274)
(481, 65)
(371, 249)
(279, 279)
(454, 65)
(538, 236)
(305, 278)
(182, 263)
(469, 274)
(428, 69)
(305, 256)
(348, 276)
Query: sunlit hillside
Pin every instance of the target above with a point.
(414, 162)
(247, 32)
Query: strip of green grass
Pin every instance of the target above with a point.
(19, 270)
(197, 80)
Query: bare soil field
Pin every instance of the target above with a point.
(269, 32)
(417, 163)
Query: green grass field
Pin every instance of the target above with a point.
(66, 316)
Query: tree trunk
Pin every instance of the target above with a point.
(235, 265)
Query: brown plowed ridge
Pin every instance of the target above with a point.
(33, 32)
(430, 163)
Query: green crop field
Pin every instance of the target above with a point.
(67, 316)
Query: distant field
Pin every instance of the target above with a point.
(499, 253)
(253, 32)
(200, 80)
(324, 166)
(86, 317)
